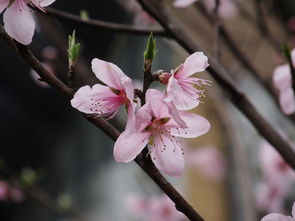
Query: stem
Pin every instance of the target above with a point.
(102, 25)
(26, 55)
(157, 10)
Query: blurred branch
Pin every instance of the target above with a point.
(241, 57)
(163, 15)
(38, 195)
(260, 23)
(107, 26)
(145, 163)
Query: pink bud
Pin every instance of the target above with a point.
(164, 78)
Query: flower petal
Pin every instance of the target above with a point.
(82, 98)
(197, 62)
(19, 23)
(282, 77)
(276, 217)
(183, 3)
(152, 95)
(129, 145)
(3, 5)
(108, 73)
(44, 3)
(170, 161)
(173, 88)
(293, 210)
(196, 126)
(287, 100)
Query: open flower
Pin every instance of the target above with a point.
(183, 89)
(282, 80)
(154, 126)
(105, 100)
(18, 20)
(280, 217)
(153, 208)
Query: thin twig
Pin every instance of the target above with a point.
(107, 26)
(163, 15)
(26, 55)
(242, 58)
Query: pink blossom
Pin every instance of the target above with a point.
(4, 191)
(16, 195)
(269, 197)
(18, 20)
(208, 160)
(105, 100)
(280, 217)
(274, 168)
(153, 125)
(278, 179)
(183, 89)
(282, 80)
(153, 208)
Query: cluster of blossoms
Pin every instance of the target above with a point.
(280, 217)
(9, 193)
(18, 19)
(153, 208)
(159, 122)
(277, 180)
(282, 80)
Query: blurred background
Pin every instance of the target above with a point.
(54, 165)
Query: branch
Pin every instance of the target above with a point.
(146, 164)
(107, 26)
(157, 10)
(244, 61)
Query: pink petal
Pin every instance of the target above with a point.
(82, 98)
(197, 62)
(129, 145)
(108, 73)
(196, 126)
(287, 100)
(170, 161)
(128, 87)
(3, 5)
(183, 3)
(19, 23)
(282, 77)
(44, 3)
(276, 217)
(153, 95)
(173, 88)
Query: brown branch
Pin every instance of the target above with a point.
(242, 58)
(162, 14)
(107, 26)
(145, 163)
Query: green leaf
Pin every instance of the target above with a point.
(73, 50)
(150, 51)
(84, 15)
